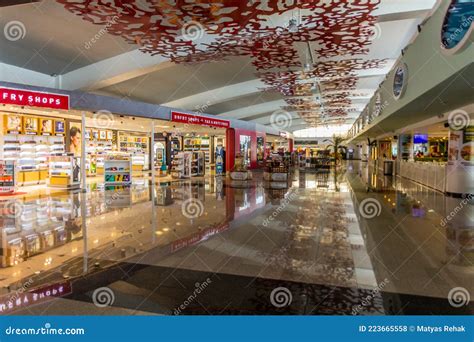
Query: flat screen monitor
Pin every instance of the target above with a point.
(420, 139)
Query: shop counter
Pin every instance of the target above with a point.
(430, 174)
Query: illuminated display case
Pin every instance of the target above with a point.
(8, 176)
(118, 170)
(181, 165)
(64, 171)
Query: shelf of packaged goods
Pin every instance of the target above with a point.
(117, 172)
(117, 183)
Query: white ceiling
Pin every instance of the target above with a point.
(55, 39)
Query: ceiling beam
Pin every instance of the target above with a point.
(218, 95)
(14, 74)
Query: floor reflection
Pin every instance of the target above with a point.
(151, 244)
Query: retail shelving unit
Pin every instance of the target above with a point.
(199, 144)
(8, 176)
(31, 153)
(64, 171)
(137, 146)
(96, 151)
(117, 170)
(175, 147)
(138, 162)
(181, 165)
(198, 164)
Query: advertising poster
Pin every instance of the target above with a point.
(30, 125)
(59, 127)
(46, 127)
(13, 124)
(74, 138)
(102, 135)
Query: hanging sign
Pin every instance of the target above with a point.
(20, 97)
(199, 120)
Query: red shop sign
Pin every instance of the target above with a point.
(199, 120)
(33, 99)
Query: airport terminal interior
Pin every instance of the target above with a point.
(229, 157)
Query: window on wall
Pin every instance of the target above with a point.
(322, 131)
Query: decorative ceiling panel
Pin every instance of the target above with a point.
(331, 28)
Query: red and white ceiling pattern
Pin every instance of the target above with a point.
(338, 33)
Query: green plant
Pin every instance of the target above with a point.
(336, 144)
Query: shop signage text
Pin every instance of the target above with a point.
(198, 237)
(33, 99)
(199, 120)
(19, 300)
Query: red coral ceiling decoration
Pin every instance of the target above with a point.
(238, 28)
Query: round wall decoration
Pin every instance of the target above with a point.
(400, 80)
(457, 25)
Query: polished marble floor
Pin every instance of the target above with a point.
(305, 247)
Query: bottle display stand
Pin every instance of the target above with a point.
(64, 171)
(276, 174)
(240, 177)
(201, 144)
(198, 164)
(181, 165)
(118, 170)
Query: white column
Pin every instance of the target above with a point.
(152, 144)
(83, 153)
(152, 184)
(84, 231)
